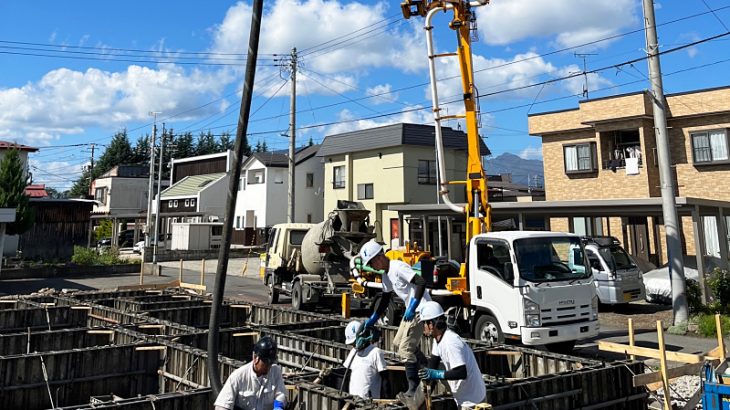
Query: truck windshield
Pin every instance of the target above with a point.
(547, 259)
(616, 258)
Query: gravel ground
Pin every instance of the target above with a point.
(681, 390)
(643, 314)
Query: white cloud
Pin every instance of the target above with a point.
(531, 152)
(66, 101)
(381, 94)
(412, 116)
(568, 22)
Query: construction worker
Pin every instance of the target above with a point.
(461, 370)
(399, 278)
(365, 362)
(258, 385)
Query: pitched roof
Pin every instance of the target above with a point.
(9, 145)
(392, 136)
(190, 186)
(281, 158)
(36, 191)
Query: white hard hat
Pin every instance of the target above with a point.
(369, 250)
(430, 310)
(351, 331)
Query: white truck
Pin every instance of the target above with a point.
(617, 277)
(531, 287)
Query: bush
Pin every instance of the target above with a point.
(706, 325)
(694, 297)
(85, 256)
(719, 283)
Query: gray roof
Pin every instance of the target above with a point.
(392, 136)
(281, 158)
(191, 185)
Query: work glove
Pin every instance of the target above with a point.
(278, 405)
(430, 374)
(411, 310)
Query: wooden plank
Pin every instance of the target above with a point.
(105, 319)
(651, 353)
(192, 286)
(631, 337)
(720, 339)
(143, 348)
(663, 366)
(503, 353)
(245, 334)
(100, 332)
(672, 373)
(397, 368)
(151, 326)
(247, 307)
(80, 307)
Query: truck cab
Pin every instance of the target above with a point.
(617, 277)
(531, 287)
(281, 262)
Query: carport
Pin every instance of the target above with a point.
(138, 219)
(709, 220)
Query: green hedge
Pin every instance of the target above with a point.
(88, 257)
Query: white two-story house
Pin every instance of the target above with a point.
(263, 191)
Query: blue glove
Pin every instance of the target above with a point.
(278, 405)
(431, 374)
(372, 320)
(411, 310)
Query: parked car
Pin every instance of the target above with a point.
(138, 247)
(659, 286)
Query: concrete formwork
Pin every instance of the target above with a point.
(155, 340)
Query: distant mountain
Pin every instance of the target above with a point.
(520, 168)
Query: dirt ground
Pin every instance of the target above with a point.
(644, 315)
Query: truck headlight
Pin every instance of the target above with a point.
(532, 320)
(594, 308)
(532, 313)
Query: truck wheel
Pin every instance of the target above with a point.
(273, 293)
(488, 330)
(561, 347)
(296, 296)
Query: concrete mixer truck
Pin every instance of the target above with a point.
(310, 262)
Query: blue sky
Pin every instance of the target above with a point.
(63, 81)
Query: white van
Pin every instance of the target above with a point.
(617, 277)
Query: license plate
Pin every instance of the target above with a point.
(628, 297)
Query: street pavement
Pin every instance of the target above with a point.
(243, 283)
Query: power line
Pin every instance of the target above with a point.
(127, 60)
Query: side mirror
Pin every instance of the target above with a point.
(509, 273)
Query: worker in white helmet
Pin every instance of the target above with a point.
(399, 278)
(366, 362)
(461, 370)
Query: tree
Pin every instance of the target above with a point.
(206, 144)
(53, 193)
(311, 142)
(264, 147)
(183, 145)
(118, 152)
(259, 147)
(13, 180)
(141, 151)
(225, 142)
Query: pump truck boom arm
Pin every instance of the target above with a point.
(477, 210)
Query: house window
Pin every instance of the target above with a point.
(100, 195)
(710, 146)
(426, 172)
(241, 184)
(192, 202)
(238, 222)
(309, 218)
(339, 177)
(310, 180)
(256, 176)
(620, 145)
(187, 203)
(174, 203)
(364, 191)
(580, 158)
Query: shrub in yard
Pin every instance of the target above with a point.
(719, 283)
(706, 325)
(84, 256)
(694, 297)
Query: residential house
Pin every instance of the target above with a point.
(11, 241)
(264, 188)
(36, 191)
(197, 191)
(602, 157)
(390, 165)
(121, 191)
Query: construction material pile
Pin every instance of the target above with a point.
(146, 348)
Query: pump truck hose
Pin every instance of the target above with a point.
(238, 155)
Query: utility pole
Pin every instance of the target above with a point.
(219, 285)
(157, 199)
(585, 71)
(151, 188)
(666, 180)
(91, 166)
(292, 134)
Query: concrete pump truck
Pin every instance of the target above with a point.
(533, 287)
